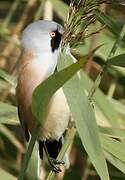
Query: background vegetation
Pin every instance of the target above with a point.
(99, 44)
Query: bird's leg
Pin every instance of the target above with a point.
(56, 161)
(53, 162)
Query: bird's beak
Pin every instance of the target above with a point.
(55, 70)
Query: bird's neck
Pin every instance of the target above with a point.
(43, 64)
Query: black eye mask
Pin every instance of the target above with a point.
(55, 41)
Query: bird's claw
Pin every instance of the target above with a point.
(55, 164)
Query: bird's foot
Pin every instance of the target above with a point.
(55, 161)
(55, 164)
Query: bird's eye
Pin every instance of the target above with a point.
(52, 34)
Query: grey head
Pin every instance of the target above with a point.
(42, 36)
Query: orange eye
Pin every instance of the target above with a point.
(52, 34)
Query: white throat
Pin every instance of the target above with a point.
(45, 64)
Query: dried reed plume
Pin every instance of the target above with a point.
(80, 16)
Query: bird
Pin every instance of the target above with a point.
(41, 45)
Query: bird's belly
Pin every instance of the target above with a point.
(57, 117)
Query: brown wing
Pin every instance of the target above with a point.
(21, 116)
(23, 124)
(25, 57)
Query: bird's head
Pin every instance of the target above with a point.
(42, 37)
